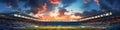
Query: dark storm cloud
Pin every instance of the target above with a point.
(86, 6)
(23, 0)
(34, 3)
(111, 4)
(78, 14)
(103, 6)
(13, 3)
(67, 3)
(62, 11)
(30, 3)
(114, 3)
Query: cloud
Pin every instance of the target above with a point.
(67, 3)
(13, 3)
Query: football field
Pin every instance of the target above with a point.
(58, 28)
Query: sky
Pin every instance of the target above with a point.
(73, 6)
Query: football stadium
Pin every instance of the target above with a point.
(59, 15)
